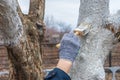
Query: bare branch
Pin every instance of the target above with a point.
(36, 10)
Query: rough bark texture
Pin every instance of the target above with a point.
(22, 38)
(96, 45)
(37, 9)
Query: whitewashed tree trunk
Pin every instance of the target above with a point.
(13, 28)
(96, 45)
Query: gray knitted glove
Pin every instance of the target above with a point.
(69, 48)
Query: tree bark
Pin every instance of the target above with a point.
(96, 44)
(36, 10)
(22, 38)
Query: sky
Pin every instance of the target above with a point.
(65, 10)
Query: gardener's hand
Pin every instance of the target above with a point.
(69, 48)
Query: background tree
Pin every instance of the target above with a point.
(22, 38)
(96, 45)
(54, 27)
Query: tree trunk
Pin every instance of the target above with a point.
(96, 44)
(22, 38)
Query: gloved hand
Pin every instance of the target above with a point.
(57, 74)
(69, 48)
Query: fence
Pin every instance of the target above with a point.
(112, 64)
(4, 64)
(49, 55)
(50, 59)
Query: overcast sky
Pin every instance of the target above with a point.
(65, 10)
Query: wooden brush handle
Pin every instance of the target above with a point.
(77, 33)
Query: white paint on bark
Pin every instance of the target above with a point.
(96, 45)
(12, 29)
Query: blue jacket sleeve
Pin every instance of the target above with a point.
(57, 74)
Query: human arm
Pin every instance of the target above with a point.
(64, 65)
(70, 45)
